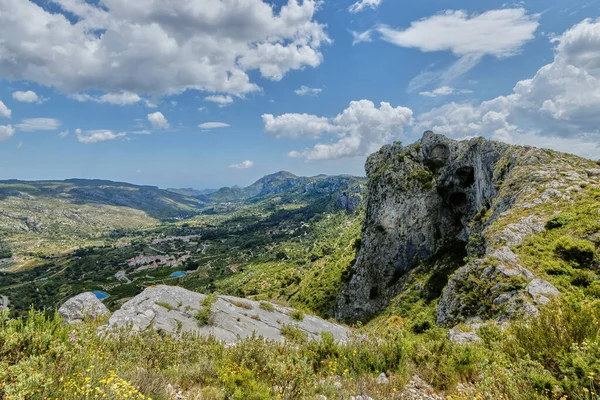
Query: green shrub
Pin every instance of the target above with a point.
(558, 221)
(577, 251)
(294, 334)
(583, 278)
(297, 315)
(424, 177)
(205, 315)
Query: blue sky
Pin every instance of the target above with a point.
(220, 93)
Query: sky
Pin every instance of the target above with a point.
(212, 93)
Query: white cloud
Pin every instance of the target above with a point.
(222, 101)
(96, 136)
(498, 33)
(361, 5)
(213, 125)
(27, 97)
(158, 120)
(297, 125)
(158, 47)
(64, 134)
(360, 37)
(558, 108)
(445, 91)
(359, 130)
(38, 124)
(20, 145)
(4, 111)
(243, 165)
(307, 91)
(6, 131)
(121, 99)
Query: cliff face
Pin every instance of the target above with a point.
(451, 205)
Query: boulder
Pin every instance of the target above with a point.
(84, 305)
(174, 310)
(460, 337)
(541, 291)
(382, 379)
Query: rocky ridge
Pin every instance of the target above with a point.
(459, 209)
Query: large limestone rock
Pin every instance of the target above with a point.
(457, 209)
(420, 199)
(172, 309)
(84, 305)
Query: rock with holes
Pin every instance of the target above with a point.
(455, 213)
(421, 201)
(176, 310)
(82, 306)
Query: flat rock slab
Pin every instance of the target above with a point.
(84, 305)
(172, 309)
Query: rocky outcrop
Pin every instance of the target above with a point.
(457, 208)
(82, 306)
(176, 310)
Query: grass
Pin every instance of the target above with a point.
(242, 304)
(556, 355)
(297, 315)
(267, 306)
(205, 315)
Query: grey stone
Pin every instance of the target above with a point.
(82, 306)
(171, 309)
(460, 337)
(361, 397)
(382, 379)
(593, 172)
(542, 291)
(515, 234)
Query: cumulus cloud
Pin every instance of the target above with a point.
(498, 33)
(96, 136)
(358, 130)
(6, 131)
(445, 91)
(297, 125)
(4, 111)
(64, 134)
(557, 108)
(121, 99)
(158, 47)
(38, 124)
(243, 165)
(363, 4)
(307, 91)
(158, 120)
(222, 101)
(27, 97)
(213, 125)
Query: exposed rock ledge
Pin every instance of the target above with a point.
(172, 309)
